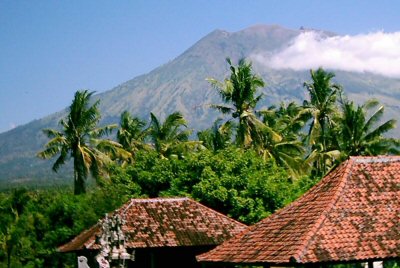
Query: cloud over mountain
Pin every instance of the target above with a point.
(377, 52)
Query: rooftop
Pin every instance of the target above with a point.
(164, 222)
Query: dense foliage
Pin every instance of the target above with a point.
(247, 165)
(33, 223)
(233, 181)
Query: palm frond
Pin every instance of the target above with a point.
(223, 109)
(60, 160)
(175, 119)
(53, 147)
(155, 123)
(253, 102)
(379, 131)
(374, 118)
(215, 83)
(370, 104)
(51, 133)
(102, 131)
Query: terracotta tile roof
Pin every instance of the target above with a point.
(352, 214)
(164, 222)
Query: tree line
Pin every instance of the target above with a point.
(307, 139)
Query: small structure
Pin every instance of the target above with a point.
(351, 215)
(112, 243)
(160, 232)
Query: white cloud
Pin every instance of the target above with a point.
(375, 52)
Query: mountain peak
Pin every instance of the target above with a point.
(265, 28)
(257, 29)
(322, 32)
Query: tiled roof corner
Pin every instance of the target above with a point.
(82, 241)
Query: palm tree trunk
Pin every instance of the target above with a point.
(8, 258)
(79, 180)
(79, 186)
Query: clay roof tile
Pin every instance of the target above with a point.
(164, 222)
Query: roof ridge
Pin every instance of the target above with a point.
(318, 224)
(158, 199)
(375, 159)
(132, 201)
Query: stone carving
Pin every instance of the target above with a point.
(82, 262)
(112, 242)
(101, 260)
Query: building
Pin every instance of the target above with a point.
(161, 232)
(351, 215)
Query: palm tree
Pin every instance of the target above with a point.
(361, 135)
(79, 139)
(240, 92)
(171, 138)
(11, 233)
(289, 151)
(132, 133)
(289, 119)
(323, 110)
(322, 105)
(217, 137)
(10, 237)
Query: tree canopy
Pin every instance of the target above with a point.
(80, 139)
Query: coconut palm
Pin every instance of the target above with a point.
(323, 110)
(289, 151)
(322, 105)
(132, 133)
(322, 160)
(240, 93)
(10, 237)
(288, 119)
(171, 138)
(79, 139)
(361, 135)
(217, 137)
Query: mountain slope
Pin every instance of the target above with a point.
(181, 85)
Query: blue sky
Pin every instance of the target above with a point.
(50, 49)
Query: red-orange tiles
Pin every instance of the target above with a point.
(163, 222)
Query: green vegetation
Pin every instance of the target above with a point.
(250, 163)
(131, 134)
(234, 181)
(80, 139)
(322, 107)
(171, 138)
(361, 135)
(34, 223)
(240, 91)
